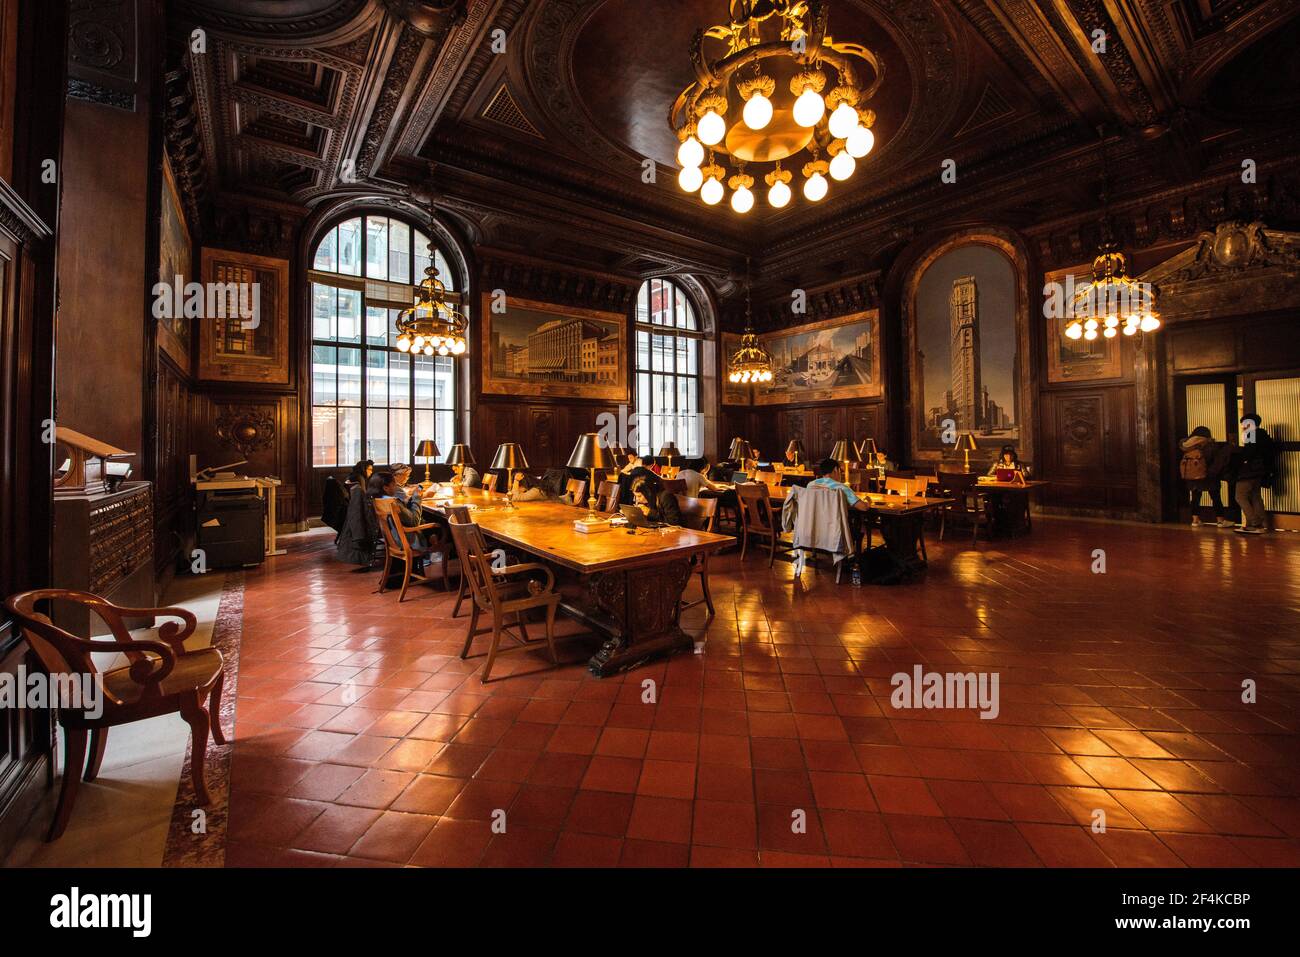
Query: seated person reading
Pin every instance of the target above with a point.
(1008, 459)
(407, 494)
(529, 489)
(830, 475)
(384, 485)
(659, 506)
(697, 481)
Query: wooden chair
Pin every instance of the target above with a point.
(698, 514)
(668, 472)
(901, 486)
(575, 492)
(968, 505)
(674, 486)
(860, 480)
(397, 545)
(459, 513)
(900, 473)
(493, 592)
(758, 520)
(490, 482)
(770, 479)
(607, 500)
(161, 677)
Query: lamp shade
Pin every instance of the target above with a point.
(588, 453)
(510, 456)
(795, 448)
(966, 443)
(669, 451)
(460, 454)
(868, 449)
(842, 452)
(427, 449)
(739, 450)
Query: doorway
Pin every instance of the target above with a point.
(1275, 398)
(1218, 402)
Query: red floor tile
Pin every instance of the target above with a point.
(362, 739)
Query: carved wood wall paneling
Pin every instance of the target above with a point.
(103, 52)
(171, 437)
(1088, 450)
(278, 457)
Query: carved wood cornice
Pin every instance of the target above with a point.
(330, 16)
(526, 278)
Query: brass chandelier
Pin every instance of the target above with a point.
(772, 45)
(432, 326)
(751, 362)
(1113, 301)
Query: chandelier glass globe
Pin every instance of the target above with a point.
(779, 195)
(712, 128)
(842, 166)
(809, 108)
(815, 186)
(859, 142)
(758, 112)
(742, 200)
(843, 121)
(690, 178)
(690, 154)
(711, 192)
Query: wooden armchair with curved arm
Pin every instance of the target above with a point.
(161, 677)
(492, 591)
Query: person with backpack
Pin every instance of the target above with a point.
(1201, 467)
(1255, 466)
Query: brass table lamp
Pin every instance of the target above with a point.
(510, 457)
(795, 448)
(427, 449)
(459, 457)
(668, 450)
(966, 444)
(589, 454)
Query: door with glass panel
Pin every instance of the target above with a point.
(1209, 401)
(1275, 398)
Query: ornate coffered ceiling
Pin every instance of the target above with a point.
(527, 121)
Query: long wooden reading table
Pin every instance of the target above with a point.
(625, 585)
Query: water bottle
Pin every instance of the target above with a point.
(855, 575)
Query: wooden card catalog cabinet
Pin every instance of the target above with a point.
(103, 543)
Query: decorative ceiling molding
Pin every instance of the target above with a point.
(503, 109)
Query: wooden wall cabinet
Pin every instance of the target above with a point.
(103, 544)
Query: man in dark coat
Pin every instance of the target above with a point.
(1255, 465)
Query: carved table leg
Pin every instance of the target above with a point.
(642, 606)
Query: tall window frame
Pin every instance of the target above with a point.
(369, 400)
(669, 369)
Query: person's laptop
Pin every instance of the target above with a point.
(1008, 475)
(637, 518)
(739, 478)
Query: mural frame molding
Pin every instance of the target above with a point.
(1011, 245)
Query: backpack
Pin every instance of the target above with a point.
(1193, 467)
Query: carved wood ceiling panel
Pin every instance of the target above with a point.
(534, 143)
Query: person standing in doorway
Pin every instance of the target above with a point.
(1255, 467)
(1201, 464)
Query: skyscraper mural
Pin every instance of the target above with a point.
(967, 362)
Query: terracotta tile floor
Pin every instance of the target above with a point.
(362, 738)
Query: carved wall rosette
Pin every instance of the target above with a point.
(246, 428)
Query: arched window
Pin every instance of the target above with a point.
(370, 401)
(668, 369)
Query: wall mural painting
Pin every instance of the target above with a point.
(175, 259)
(1077, 360)
(245, 318)
(966, 303)
(540, 349)
(837, 359)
